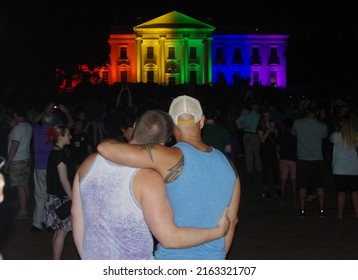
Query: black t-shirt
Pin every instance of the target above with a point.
(78, 147)
(54, 185)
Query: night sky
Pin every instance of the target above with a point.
(321, 47)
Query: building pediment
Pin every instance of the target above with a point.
(175, 21)
(177, 49)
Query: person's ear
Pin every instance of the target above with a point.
(202, 121)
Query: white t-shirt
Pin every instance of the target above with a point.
(344, 161)
(22, 132)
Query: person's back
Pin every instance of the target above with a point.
(310, 166)
(22, 133)
(205, 186)
(42, 149)
(80, 146)
(18, 164)
(109, 234)
(215, 134)
(345, 164)
(287, 141)
(200, 181)
(247, 123)
(118, 229)
(116, 209)
(309, 132)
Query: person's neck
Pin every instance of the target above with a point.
(58, 146)
(195, 141)
(311, 116)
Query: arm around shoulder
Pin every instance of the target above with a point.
(156, 156)
(159, 215)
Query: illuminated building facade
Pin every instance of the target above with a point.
(177, 49)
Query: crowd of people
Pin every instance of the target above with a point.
(68, 150)
(303, 148)
(55, 166)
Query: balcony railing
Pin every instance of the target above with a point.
(124, 61)
(194, 60)
(274, 60)
(221, 60)
(237, 61)
(256, 60)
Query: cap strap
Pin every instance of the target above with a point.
(192, 121)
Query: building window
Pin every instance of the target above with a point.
(123, 76)
(193, 77)
(256, 59)
(255, 77)
(220, 78)
(150, 52)
(171, 81)
(171, 54)
(150, 76)
(105, 75)
(171, 67)
(274, 59)
(192, 52)
(237, 56)
(273, 78)
(255, 52)
(236, 78)
(219, 53)
(123, 53)
(219, 59)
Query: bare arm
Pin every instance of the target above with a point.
(13, 149)
(233, 210)
(77, 216)
(37, 118)
(2, 185)
(160, 218)
(68, 115)
(166, 160)
(62, 173)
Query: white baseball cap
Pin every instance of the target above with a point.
(185, 104)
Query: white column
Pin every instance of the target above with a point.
(139, 59)
(161, 70)
(209, 65)
(185, 62)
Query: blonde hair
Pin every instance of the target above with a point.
(348, 132)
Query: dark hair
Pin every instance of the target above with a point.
(20, 111)
(54, 132)
(288, 122)
(210, 112)
(153, 126)
(312, 107)
(127, 118)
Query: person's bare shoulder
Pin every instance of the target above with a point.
(148, 178)
(148, 172)
(147, 182)
(86, 164)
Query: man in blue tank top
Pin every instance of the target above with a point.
(200, 181)
(116, 208)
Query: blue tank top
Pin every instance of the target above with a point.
(199, 197)
(115, 228)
